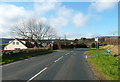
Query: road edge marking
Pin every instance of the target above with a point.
(37, 74)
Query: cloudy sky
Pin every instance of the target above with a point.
(73, 19)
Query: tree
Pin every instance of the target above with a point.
(34, 30)
(51, 34)
(76, 41)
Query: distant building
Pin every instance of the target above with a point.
(17, 44)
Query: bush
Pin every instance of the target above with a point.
(63, 46)
(55, 46)
(83, 45)
(77, 46)
(71, 46)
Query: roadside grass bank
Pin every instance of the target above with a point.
(113, 48)
(106, 66)
(21, 56)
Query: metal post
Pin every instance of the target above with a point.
(96, 39)
(97, 48)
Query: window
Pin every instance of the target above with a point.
(13, 43)
(17, 43)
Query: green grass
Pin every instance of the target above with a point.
(22, 56)
(106, 65)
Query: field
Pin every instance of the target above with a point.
(107, 66)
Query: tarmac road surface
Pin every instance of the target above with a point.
(61, 65)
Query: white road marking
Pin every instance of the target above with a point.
(67, 54)
(37, 74)
(58, 59)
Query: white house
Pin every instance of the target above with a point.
(19, 44)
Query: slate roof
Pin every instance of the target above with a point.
(28, 43)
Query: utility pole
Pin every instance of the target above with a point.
(65, 39)
(65, 36)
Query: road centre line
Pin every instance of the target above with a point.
(42, 70)
(67, 54)
(58, 59)
(37, 74)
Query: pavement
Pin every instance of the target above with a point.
(68, 64)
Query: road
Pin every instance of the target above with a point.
(61, 65)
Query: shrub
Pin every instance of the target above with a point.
(63, 46)
(71, 46)
(83, 45)
(77, 46)
(55, 46)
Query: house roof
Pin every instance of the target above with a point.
(28, 44)
(25, 40)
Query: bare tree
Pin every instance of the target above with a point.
(51, 34)
(34, 30)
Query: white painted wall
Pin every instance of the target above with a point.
(23, 42)
(12, 46)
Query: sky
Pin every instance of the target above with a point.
(73, 19)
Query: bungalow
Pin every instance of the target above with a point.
(17, 44)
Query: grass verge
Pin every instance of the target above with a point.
(22, 56)
(107, 66)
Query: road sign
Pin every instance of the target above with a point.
(96, 39)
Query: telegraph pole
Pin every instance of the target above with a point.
(65, 39)
(65, 36)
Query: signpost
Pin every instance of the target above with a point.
(96, 39)
(97, 46)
